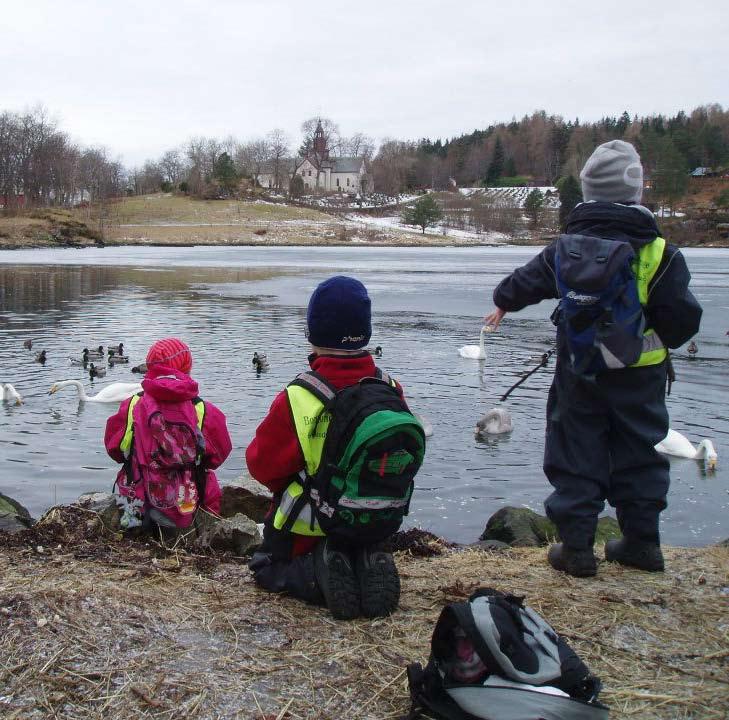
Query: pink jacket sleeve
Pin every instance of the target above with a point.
(116, 426)
(217, 439)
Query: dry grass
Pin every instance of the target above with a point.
(121, 630)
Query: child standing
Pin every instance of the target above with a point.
(350, 577)
(602, 428)
(169, 442)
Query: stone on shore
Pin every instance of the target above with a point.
(522, 527)
(105, 506)
(247, 496)
(13, 516)
(238, 534)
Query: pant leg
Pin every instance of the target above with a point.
(576, 457)
(275, 569)
(639, 475)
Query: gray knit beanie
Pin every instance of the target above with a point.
(613, 173)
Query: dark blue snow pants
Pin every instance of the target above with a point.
(600, 446)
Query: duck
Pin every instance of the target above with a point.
(8, 393)
(28, 344)
(114, 393)
(117, 359)
(376, 352)
(692, 350)
(116, 349)
(97, 354)
(83, 361)
(41, 357)
(96, 371)
(476, 352)
(140, 369)
(679, 445)
(496, 421)
(260, 362)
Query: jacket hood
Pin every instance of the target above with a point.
(629, 223)
(169, 385)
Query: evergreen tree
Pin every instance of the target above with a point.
(670, 178)
(424, 212)
(533, 204)
(510, 167)
(496, 166)
(570, 194)
(225, 173)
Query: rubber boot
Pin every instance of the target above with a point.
(580, 563)
(335, 576)
(379, 582)
(635, 553)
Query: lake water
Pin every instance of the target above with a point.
(229, 302)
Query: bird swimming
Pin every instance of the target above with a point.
(679, 445)
(260, 363)
(377, 352)
(97, 354)
(116, 392)
(496, 421)
(116, 349)
(28, 344)
(8, 393)
(476, 352)
(41, 357)
(117, 359)
(692, 350)
(140, 369)
(96, 371)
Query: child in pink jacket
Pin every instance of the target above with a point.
(167, 390)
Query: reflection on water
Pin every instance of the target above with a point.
(229, 302)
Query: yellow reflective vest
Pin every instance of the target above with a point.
(645, 266)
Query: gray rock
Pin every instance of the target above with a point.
(246, 496)
(105, 506)
(521, 527)
(238, 534)
(13, 516)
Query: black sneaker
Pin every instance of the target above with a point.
(634, 553)
(379, 582)
(580, 563)
(335, 576)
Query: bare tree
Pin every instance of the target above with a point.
(278, 149)
(331, 135)
(251, 156)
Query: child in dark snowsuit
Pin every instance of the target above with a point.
(601, 430)
(349, 579)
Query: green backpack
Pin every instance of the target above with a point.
(373, 449)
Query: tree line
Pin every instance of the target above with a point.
(41, 166)
(41, 163)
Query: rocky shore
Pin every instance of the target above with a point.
(94, 624)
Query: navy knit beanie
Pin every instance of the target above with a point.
(338, 316)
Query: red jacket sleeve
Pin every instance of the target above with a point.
(274, 454)
(217, 438)
(116, 426)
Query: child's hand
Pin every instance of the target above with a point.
(494, 318)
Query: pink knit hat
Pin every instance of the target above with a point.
(170, 352)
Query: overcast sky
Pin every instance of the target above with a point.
(141, 76)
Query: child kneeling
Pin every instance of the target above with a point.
(320, 542)
(169, 442)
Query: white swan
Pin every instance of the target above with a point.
(116, 392)
(427, 425)
(679, 446)
(8, 392)
(475, 352)
(496, 421)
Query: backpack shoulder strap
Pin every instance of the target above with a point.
(199, 405)
(126, 443)
(317, 385)
(382, 375)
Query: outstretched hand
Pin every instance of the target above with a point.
(494, 318)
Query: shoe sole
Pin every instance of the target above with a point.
(342, 591)
(379, 587)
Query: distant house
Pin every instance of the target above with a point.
(319, 171)
(702, 172)
(16, 201)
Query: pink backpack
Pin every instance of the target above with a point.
(163, 469)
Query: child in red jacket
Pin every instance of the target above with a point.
(168, 419)
(348, 579)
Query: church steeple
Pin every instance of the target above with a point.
(320, 142)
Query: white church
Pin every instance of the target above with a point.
(319, 171)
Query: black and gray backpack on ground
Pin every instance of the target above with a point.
(494, 658)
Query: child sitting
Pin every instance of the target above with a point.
(350, 576)
(169, 441)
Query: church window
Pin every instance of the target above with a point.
(347, 182)
(309, 173)
(337, 182)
